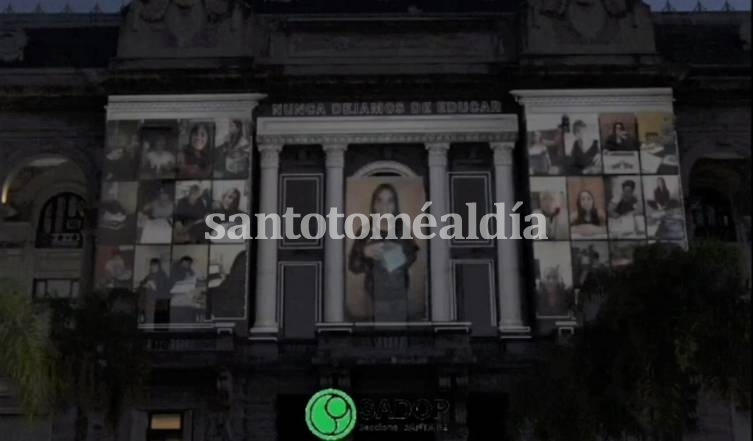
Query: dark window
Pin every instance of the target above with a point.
(61, 222)
(303, 194)
(471, 188)
(475, 296)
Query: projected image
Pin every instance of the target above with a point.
(193, 202)
(546, 153)
(386, 277)
(665, 216)
(226, 279)
(587, 208)
(656, 132)
(121, 150)
(588, 256)
(554, 279)
(548, 199)
(582, 147)
(625, 207)
(114, 267)
(195, 154)
(158, 145)
(155, 215)
(619, 139)
(151, 281)
(117, 212)
(231, 156)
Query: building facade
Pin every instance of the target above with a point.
(120, 132)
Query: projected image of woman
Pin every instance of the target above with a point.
(385, 262)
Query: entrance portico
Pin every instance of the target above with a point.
(341, 134)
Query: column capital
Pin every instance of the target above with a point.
(335, 147)
(502, 152)
(335, 154)
(437, 153)
(270, 155)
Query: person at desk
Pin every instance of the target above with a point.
(190, 213)
(184, 292)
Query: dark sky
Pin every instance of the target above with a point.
(114, 5)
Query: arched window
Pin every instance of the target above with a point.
(711, 215)
(61, 222)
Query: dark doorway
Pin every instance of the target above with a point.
(487, 417)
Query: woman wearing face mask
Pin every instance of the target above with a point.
(587, 221)
(386, 262)
(194, 160)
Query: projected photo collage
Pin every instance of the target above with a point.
(161, 179)
(606, 184)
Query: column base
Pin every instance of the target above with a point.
(263, 333)
(514, 332)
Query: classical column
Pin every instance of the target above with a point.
(439, 251)
(334, 252)
(509, 287)
(265, 324)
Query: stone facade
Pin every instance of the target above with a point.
(457, 74)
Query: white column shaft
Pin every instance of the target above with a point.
(439, 251)
(266, 262)
(509, 287)
(334, 252)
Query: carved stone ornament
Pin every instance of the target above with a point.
(153, 11)
(587, 20)
(185, 23)
(190, 22)
(12, 45)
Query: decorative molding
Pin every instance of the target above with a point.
(388, 138)
(514, 332)
(503, 153)
(270, 155)
(335, 155)
(141, 107)
(595, 100)
(438, 153)
(387, 129)
(375, 167)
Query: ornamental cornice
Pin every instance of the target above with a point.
(384, 138)
(139, 107)
(595, 100)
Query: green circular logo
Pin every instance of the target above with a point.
(331, 414)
